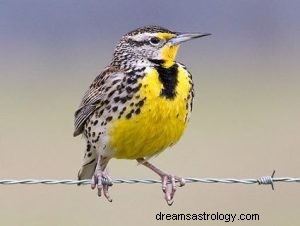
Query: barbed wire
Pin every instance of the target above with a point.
(265, 180)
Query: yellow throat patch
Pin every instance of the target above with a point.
(169, 51)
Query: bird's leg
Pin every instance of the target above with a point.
(168, 181)
(101, 179)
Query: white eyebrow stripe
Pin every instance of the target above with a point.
(142, 37)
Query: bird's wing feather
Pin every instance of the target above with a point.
(93, 97)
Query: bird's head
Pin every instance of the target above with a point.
(151, 44)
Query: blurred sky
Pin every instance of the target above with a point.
(245, 122)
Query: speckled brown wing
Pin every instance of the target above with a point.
(94, 96)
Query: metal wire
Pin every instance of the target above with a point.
(265, 180)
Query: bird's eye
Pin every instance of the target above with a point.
(154, 41)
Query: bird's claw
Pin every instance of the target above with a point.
(102, 181)
(169, 186)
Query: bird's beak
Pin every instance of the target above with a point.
(183, 37)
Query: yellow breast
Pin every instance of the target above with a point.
(161, 121)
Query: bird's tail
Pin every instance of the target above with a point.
(89, 164)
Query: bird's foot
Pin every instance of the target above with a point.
(169, 186)
(168, 181)
(102, 181)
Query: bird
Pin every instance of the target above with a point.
(137, 107)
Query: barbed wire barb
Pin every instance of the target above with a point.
(267, 180)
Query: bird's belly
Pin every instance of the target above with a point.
(159, 124)
(146, 134)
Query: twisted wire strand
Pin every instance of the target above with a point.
(153, 181)
(265, 180)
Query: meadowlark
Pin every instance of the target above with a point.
(137, 107)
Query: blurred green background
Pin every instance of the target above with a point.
(244, 125)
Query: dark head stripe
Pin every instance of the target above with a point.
(149, 29)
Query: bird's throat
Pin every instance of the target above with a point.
(168, 54)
